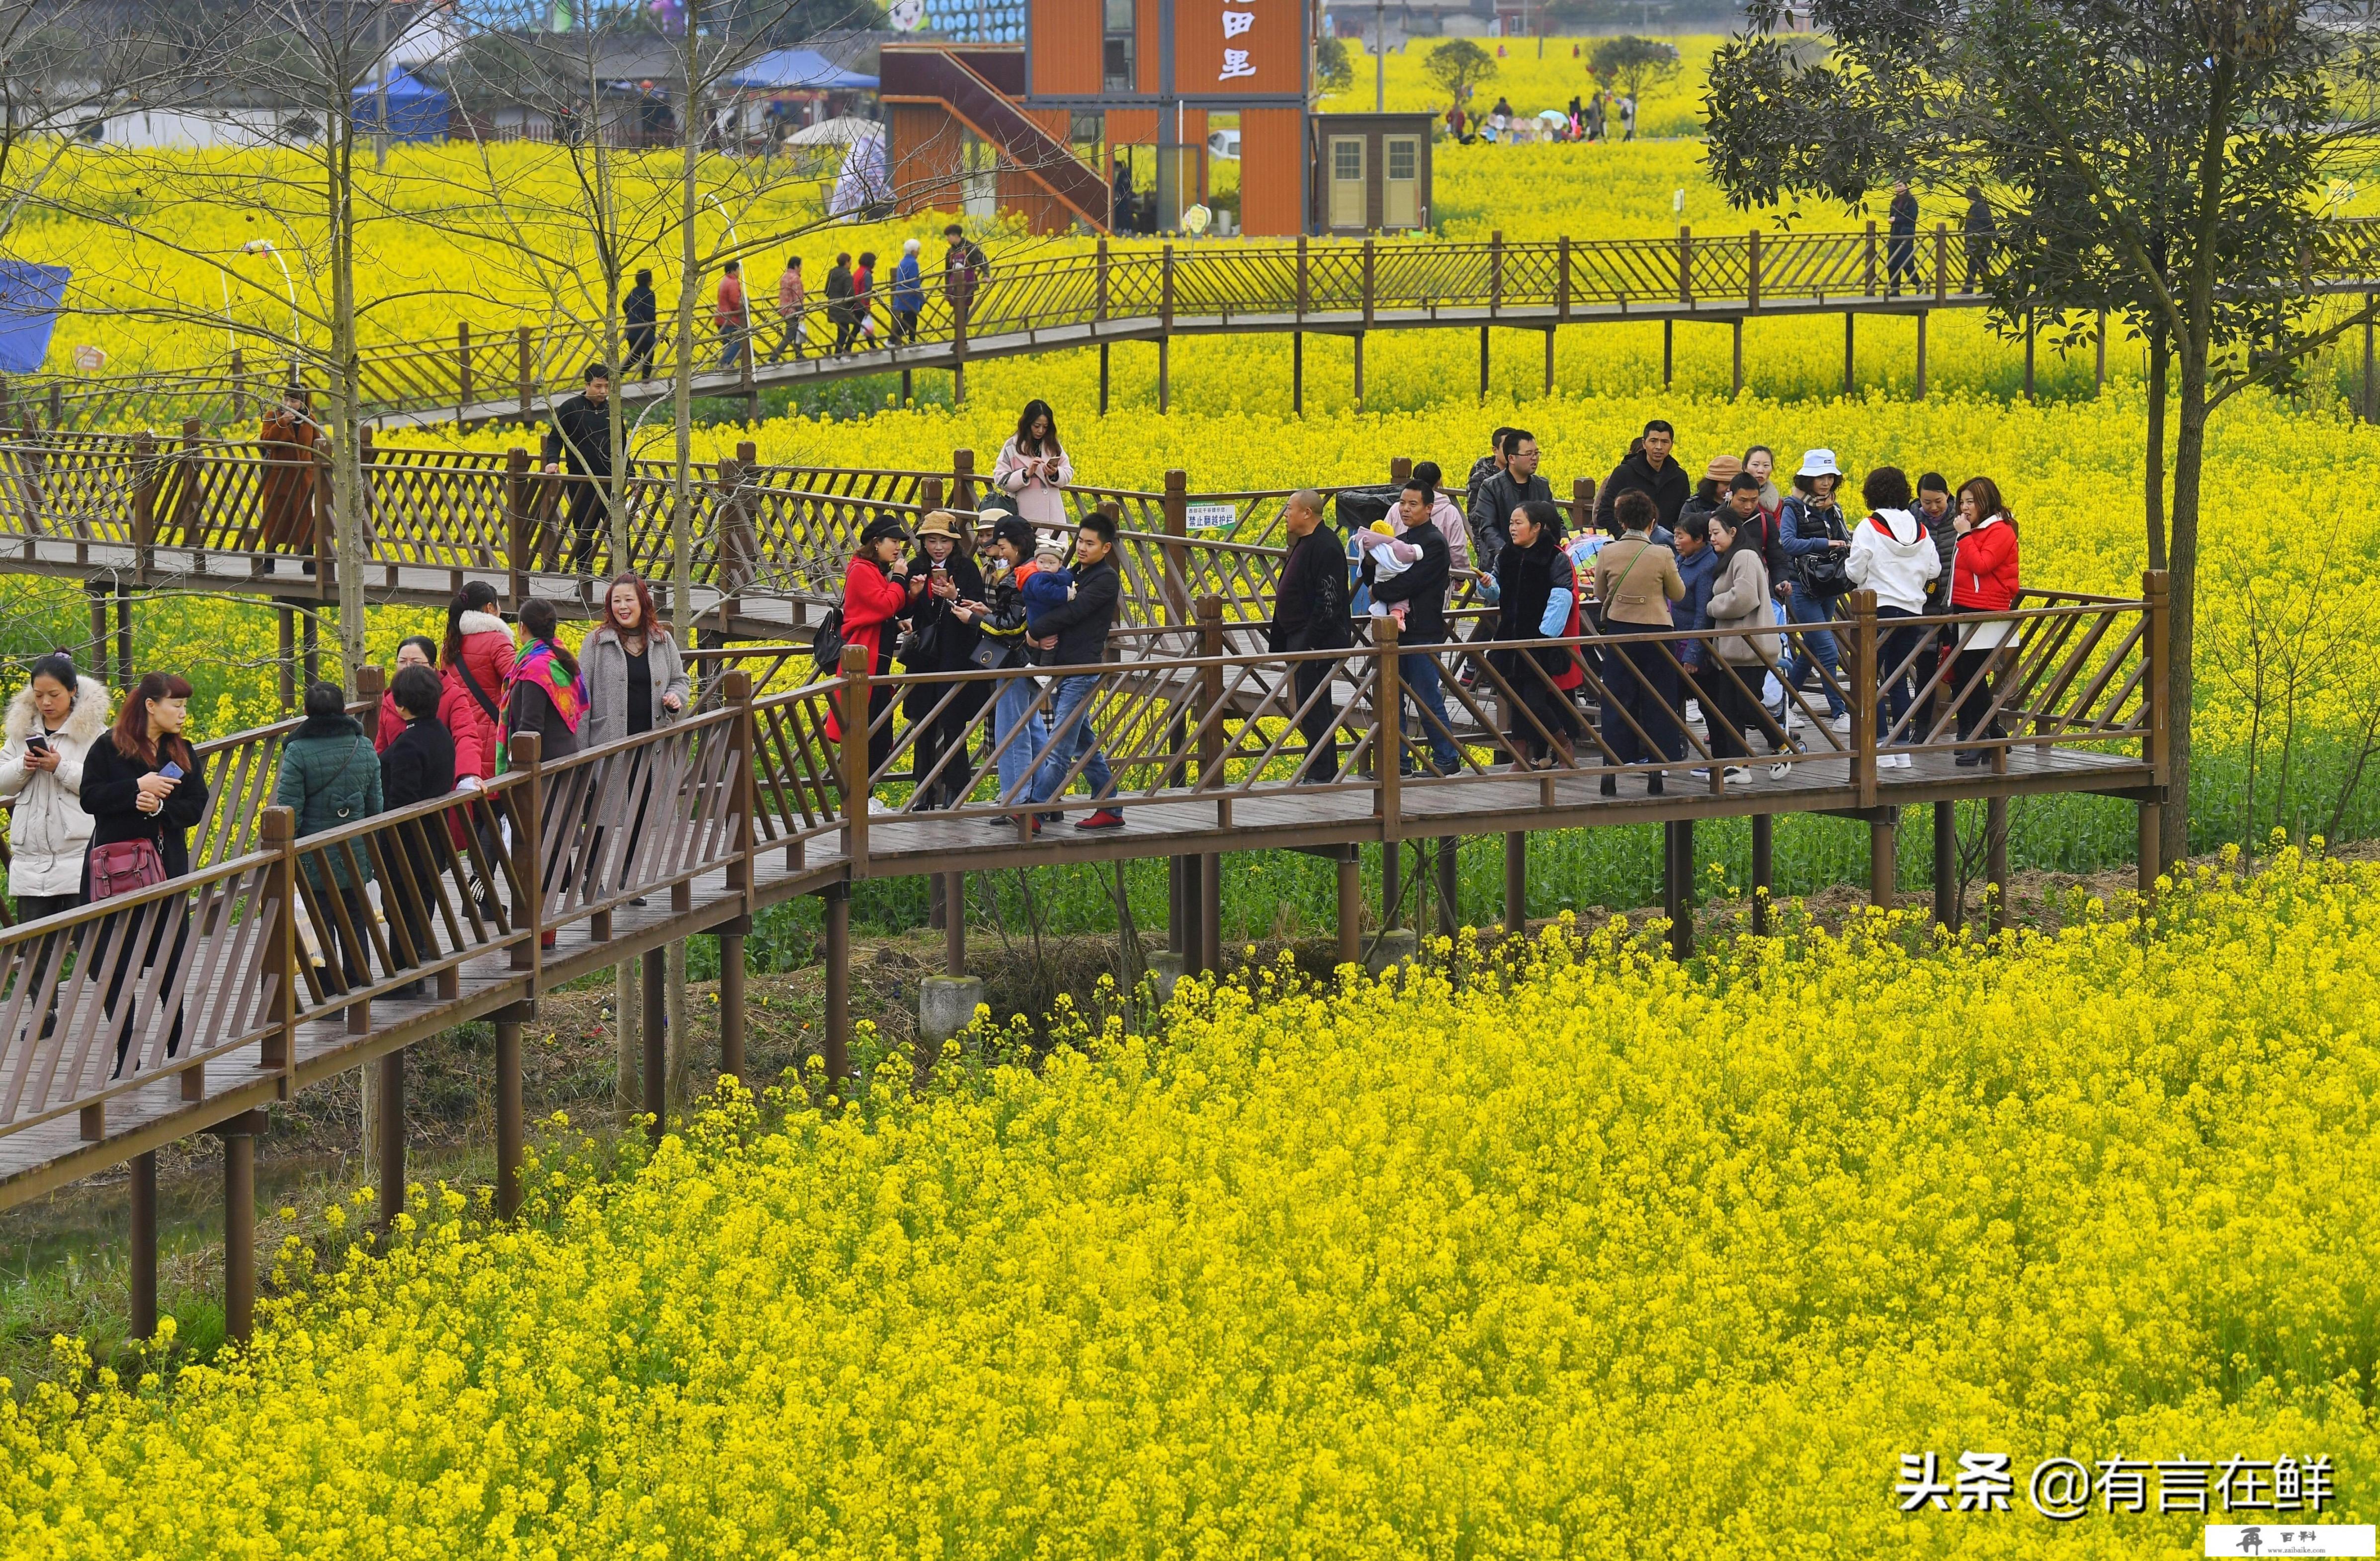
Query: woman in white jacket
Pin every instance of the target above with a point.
(1033, 467)
(1893, 555)
(51, 725)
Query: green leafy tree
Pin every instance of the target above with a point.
(1333, 71)
(2162, 160)
(1459, 65)
(1630, 65)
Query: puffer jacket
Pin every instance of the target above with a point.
(1983, 570)
(49, 830)
(488, 656)
(1893, 555)
(1004, 622)
(330, 774)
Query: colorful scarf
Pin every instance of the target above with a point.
(538, 665)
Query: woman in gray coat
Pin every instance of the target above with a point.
(636, 679)
(635, 682)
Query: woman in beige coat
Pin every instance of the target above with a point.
(1744, 636)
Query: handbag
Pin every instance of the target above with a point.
(125, 867)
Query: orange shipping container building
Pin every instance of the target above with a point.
(1042, 129)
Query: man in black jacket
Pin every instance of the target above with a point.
(1900, 247)
(1979, 231)
(580, 441)
(639, 310)
(1648, 469)
(1076, 635)
(1501, 492)
(1421, 586)
(1309, 613)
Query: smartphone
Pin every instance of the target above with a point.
(37, 744)
(171, 771)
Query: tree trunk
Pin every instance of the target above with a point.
(2189, 458)
(2160, 360)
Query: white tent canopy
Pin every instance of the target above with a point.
(846, 131)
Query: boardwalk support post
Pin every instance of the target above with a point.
(1736, 351)
(1920, 354)
(1297, 373)
(1351, 906)
(1996, 867)
(2157, 690)
(1850, 350)
(1764, 875)
(838, 983)
(1678, 884)
(1946, 864)
(654, 968)
(509, 1136)
(144, 1245)
(239, 1134)
(1516, 883)
(1881, 846)
(392, 1134)
(1668, 352)
(1450, 863)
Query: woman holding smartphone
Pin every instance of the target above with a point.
(941, 641)
(1033, 467)
(52, 724)
(141, 786)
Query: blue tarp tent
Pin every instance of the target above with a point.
(29, 313)
(417, 112)
(798, 70)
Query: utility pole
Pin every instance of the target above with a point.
(1379, 57)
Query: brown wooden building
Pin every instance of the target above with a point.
(1371, 172)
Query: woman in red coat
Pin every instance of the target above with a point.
(1983, 579)
(476, 663)
(877, 591)
(413, 650)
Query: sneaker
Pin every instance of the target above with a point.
(1734, 775)
(1902, 761)
(879, 809)
(1779, 769)
(1653, 785)
(1841, 723)
(547, 940)
(1105, 818)
(1969, 757)
(1611, 786)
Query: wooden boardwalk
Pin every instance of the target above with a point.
(1150, 292)
(746, 802)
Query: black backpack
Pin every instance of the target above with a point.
(826, 643)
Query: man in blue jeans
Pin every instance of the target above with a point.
(1076, 635)
(1420, 589)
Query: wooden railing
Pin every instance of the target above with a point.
(269, 932)
(1130, 289)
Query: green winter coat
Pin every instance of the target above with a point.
(330, 774)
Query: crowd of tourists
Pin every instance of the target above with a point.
(1726, 595)
(104, 804)
(856, 288)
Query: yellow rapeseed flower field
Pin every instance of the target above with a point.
(1577, 1254)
